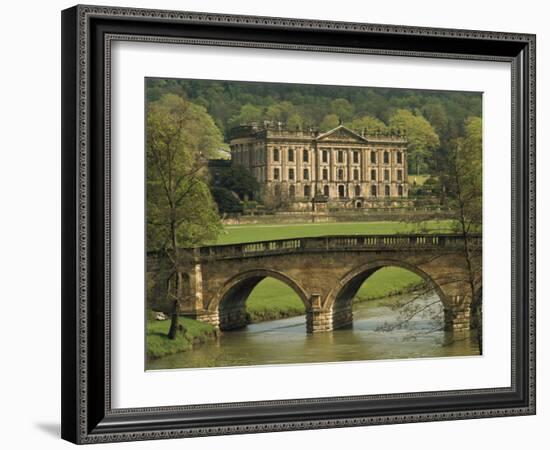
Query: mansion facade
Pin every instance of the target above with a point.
(339, 165)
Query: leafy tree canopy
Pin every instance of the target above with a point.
(445, 110)
(466, 173)
(237, 179)
(367, 123)
(329, 122)
(423, 139)
(227, 201)
(180, 209)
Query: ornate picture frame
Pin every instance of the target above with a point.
(88, 33)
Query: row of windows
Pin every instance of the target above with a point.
(290, 155)
(339, 156)
(342, 191)
(339, 174)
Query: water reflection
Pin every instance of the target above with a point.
(286, 342)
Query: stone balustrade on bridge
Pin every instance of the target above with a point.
(339, 243)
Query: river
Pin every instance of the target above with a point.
(285, 341)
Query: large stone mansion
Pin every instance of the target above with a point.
(340, 165)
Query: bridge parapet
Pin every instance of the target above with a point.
(399, 242)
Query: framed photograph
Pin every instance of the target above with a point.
(280, 224)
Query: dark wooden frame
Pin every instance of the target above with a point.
(87, 32)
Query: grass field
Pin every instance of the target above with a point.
(235, 234)
(420, 179)
(272, 299)
(159, 345)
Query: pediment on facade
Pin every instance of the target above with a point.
(341, 133)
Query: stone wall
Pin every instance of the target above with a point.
(369, 215)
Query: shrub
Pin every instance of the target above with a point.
(227, 201)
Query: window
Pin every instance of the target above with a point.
(292, 191)
(400, 191)
(325, 174)
(373, 174)
(399, 158)
(341, 191)
(340, 174)
(290, 155)
(387, 191)
(357, 190)
(276, 173)
(373, 157)
(373, 191)
(291, 174)
(275, 154)
(326, 190)
(340, 156)
(306, 174)
(356, 157)
(386, 158)
(356, 174)
(325, 156)
(306, 156)
(399, 175)
(386, 175)
(307, 191)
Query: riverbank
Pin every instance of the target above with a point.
(158, 343)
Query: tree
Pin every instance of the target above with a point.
(180, 209)
(464, 182)
(423, 139)
(227, 201)
(435, 113)
(368, 123)
(280, 112)
(275, 197)
(295, 122)
(248, 113)
(329, 122)
(237, 179)
(342, 108)
(466, 175)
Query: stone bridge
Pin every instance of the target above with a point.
(325, 272)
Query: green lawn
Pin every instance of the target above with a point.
(388, 281)
(420, 179)
(234, 234)
(273, 299)
(159, 345)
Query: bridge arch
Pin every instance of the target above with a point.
(230, 301)
(339, 300)
(351, 282)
